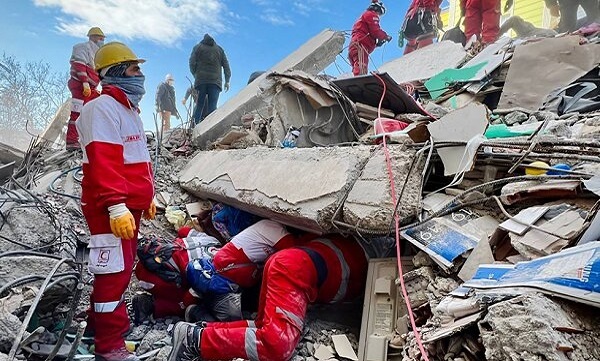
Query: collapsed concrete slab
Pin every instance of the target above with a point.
(312, 57)
(302, 187)
(533, 327)
(305, 187)
(369, 203)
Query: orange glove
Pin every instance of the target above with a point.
(150, 213)
(122, 223)
(87, 91)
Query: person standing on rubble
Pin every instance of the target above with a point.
(238, 265)
(325, 270)
(83, 81)
(207, 61)
(165, 102)
(482, 19)
(117, 190)
(366, 36)
(567, 10)
(421, 24)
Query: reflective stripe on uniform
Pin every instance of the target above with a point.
(251, 324)
(341, 292)
(295, 318)
(251, 346)
(106, 307)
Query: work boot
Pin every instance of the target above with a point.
(143, 307)
(120, 354)
(186, 342)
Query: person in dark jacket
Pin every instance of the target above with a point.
(165, 102)
(207, 62)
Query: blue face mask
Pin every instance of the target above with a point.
(132, 86)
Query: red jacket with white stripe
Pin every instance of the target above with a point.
(367, 31)
(116, 162)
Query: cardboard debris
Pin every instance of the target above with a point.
(553, 189)
(540, 67)
(445, 241)
(343, 347)
(522, 221)
(481, 254)
(463, 124)
(566, 225)
(573, 273)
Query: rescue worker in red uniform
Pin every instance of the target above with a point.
(83, 80)
(482, 18)
(170, 298)
(117, 188)
(323, 270)
(425, 15)
(239, 263)
(366, 36)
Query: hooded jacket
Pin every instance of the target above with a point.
(206, 62)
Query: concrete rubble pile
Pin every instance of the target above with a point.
(495, 170)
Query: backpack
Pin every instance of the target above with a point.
(156, 254)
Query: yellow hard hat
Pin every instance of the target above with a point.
(95, 31)
(114, 53)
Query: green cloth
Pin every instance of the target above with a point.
(439, 83)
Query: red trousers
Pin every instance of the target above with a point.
(482, 18)
(77, 101)
(359, 58)
(108, 313)
(290, 283)
(414, 44)
(169, 299)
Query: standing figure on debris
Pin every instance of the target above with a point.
(83, 80)
(165, 102)
(117, 189)
(238, 264)
(482, 19)
(323, 270)
(567, 10)
(366, 36)
(207, 62)
(421, 24)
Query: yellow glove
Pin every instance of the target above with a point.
(151, 212)
(86, 90)
(122, 223)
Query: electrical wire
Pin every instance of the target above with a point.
(397, 228)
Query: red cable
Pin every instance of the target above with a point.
(397, 226)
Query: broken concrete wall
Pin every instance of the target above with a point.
(302, 187)
(312, 57)
(324, 126)
(546, 330)
(369, 203)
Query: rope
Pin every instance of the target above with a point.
(397, 229)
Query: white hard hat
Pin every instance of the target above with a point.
(169, 77)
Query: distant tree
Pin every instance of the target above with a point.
(30, 94)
